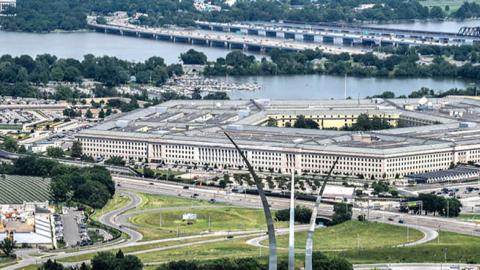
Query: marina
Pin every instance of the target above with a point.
(190, 83)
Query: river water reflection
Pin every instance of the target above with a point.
(75, 45)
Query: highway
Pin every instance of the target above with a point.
(245, 200)
(352, 33)
(227, 40)
(416, 266)
(127, 187)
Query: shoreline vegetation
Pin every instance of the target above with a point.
(24, 76)
(41, 16)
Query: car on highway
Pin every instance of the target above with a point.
(401, 221)
(185, 187)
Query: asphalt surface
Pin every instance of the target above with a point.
(245, 200)
(416, 266)
(119, 219)
(71, 234)
(110, 219)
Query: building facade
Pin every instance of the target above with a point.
(193, 134)
(5, 4)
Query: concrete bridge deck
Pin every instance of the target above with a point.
(212, 39)
(346, 34)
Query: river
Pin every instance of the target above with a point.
(77, 44)
(326, 86)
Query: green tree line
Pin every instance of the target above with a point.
(17, 74)
(41, 16)
(92, 186)
(360, 65)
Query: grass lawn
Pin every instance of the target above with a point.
(469, 217)
(89, 256)
(31, 267)
(453, 4)
(150, 201)
(13, 126)
(116, 202)
(353, 234)
(459, 248)
(234, 248)
(6, 261)
(221, 219)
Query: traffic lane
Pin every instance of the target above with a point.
(253, 201)
(415, 266)
(239, 199)
(110, 219)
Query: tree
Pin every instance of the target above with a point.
(109, 261)
(271, 122)
(88, 114)
(119, 254)
(302, 122)
(451, 207)
(437, 12)
(55, 152)
(193, 57)
(51, 265)
(76, 149)
(101, 114)
(302, 214)
(116, 161)
(10, 144)
(380, 187)
(149, 173)
(7, 246)
(341, 212)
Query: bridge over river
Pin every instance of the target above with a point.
(287, 36)
(212, 39)
(347, 34)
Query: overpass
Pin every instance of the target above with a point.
(346, 34)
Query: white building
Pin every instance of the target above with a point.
(28, 223)
(5, 4)
(192, 132)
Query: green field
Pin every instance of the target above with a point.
(16, 189)
(471, 217)
(354, 234)
(235, 248)
(150, 201)
(453, 4)
(157, 225)
(118, 201)
(165, 244)
(459, 248)
(14, 126)
(5, 261)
